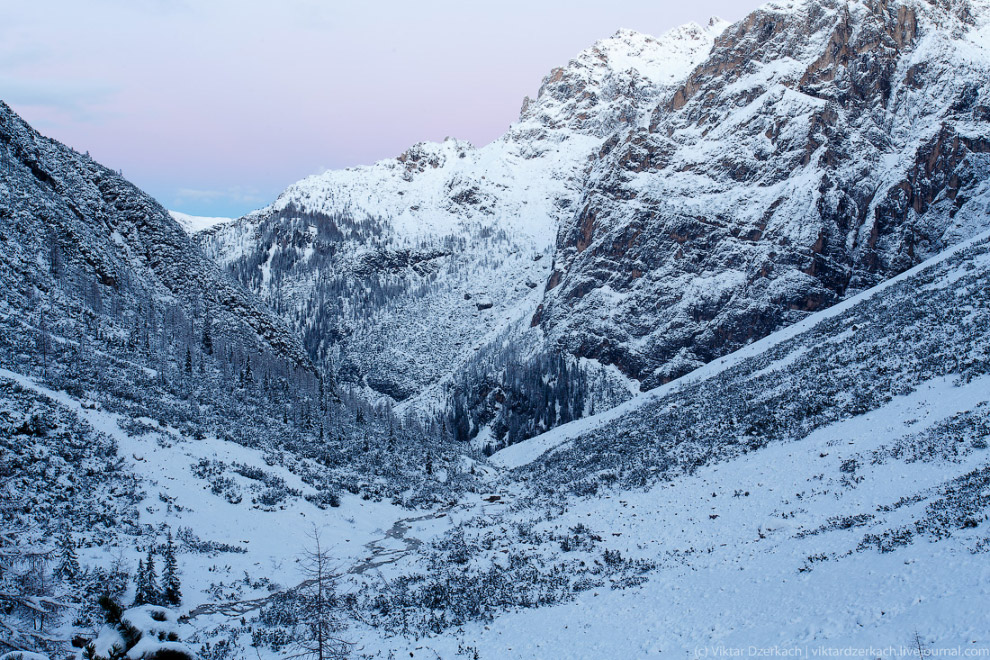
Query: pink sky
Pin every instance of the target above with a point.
(214, 106)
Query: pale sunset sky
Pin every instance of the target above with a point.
(215, 106)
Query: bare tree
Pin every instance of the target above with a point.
(43, 339)
(317, 605)
(28, 606)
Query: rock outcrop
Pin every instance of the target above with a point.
(821, 148)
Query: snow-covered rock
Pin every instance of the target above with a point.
(23, 655)
(819, 149)
(157, 632)
(670, 198)
(195, 223)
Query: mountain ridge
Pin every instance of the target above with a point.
(745, 202)
(101, 222)
(661, 202)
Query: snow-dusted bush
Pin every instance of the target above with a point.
(147, 632)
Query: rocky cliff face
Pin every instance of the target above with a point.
(400, 273)
(661, 202)
(617, 81)
(820, 148)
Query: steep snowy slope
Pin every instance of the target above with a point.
(107, 300)
(828, 488)
(134, 374)
(81, 245)
(820, 148)
(398, 272)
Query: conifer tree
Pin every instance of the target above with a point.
(172, 593)
(68, 568)
(147, 591)
(140, 584)
(154, 591)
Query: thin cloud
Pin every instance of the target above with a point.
(234, 194)
(75, 100)
(258, 93)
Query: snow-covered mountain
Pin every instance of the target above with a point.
(196, 223)
(398, 274)
(660, 203)
(820, 148)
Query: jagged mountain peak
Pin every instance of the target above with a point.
(606, 85)
(939, 11)
(844, 52)
(661, 60)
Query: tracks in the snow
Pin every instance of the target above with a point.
(380, 555)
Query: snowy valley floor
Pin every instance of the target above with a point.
(735, 568)
(763, 551)
(863, 527)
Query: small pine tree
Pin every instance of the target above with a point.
(172, 594)
(154, 591)
(147, 591)
(189, 365)
(68, 568)
(141, 585)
